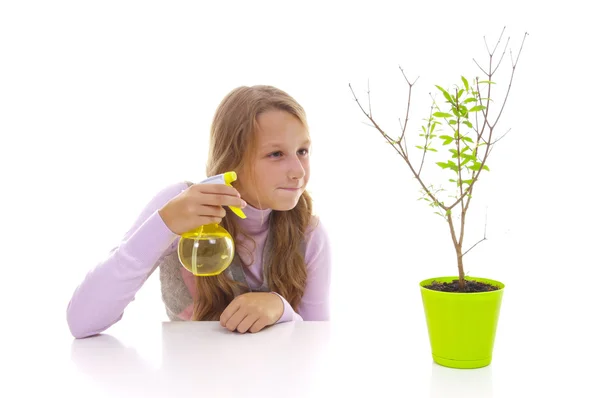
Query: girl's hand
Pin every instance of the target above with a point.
(199, 205)
(252, 312)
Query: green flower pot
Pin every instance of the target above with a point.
(462, 326)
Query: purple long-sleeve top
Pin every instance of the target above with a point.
(99, 301)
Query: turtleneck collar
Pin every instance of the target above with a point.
(256, 220)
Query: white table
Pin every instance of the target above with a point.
(303, 359)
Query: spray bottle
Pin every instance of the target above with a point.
(209, 249)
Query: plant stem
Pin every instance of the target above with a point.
(458, 249)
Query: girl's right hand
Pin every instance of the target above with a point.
(198, 205)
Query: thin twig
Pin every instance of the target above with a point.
(502, 56)
(408, 104)
(400, 139)
(499, 40)
(503, 135)
(514, 66)
(426, 141)
(369, 95)
(484, 236)
(465, 253)
(370, 125)
(479, 66)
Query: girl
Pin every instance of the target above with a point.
(282, 251)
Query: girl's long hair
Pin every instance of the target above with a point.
(232, 145)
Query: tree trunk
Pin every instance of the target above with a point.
(461, 272)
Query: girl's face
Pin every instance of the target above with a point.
(281, 163)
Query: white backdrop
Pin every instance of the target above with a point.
(103, 104)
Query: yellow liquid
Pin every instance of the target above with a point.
(206, 251)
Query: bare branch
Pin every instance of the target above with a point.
(501, 57)
(369, 95)
(426, 141)
(402, 136)
(409, 83)
(408, 105)
(400, 139)
(479, 66)
(465, 253)
(499, 40)
(520, 49)
(370, 125)
(514, 66)
(397, 149)
(503, 135)
(484, 237)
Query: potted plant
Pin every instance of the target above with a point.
(456, 139)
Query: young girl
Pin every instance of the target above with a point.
(282, 251)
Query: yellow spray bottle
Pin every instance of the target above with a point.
(209, 249)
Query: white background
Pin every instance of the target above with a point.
(104, 103)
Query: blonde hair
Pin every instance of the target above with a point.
(232, 145)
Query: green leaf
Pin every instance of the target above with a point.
(468, 182)
(454, 153)
(470, 100)
(432, 149)
(443, 165)
(419, 147)
(432, 126)
(452, 121)
(425, 131)
(460, 92)
(448, 97)
(477, 108)
(442, 114)
(486, 82)
(448, 212)
(465, 82)
(477, 166)
(467, 139)
(447, 139)
(452, 165)
(468, 123)
(451, 180)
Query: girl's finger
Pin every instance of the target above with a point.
(247, 322)
(229, 311)
(259, 325)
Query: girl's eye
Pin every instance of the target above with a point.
(278, 154)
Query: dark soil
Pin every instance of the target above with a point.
(470, 286)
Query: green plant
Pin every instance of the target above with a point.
(462, 125)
